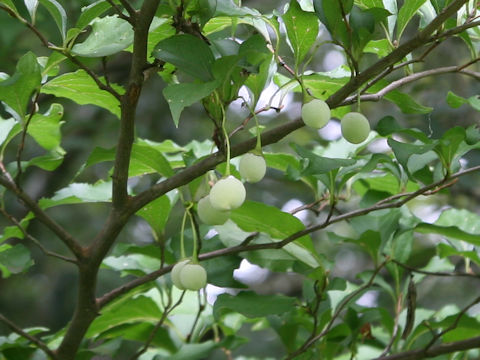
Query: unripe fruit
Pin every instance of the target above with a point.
(355, 127)
(193, 277)
(209, 215)
(316, 113)
(252, 167)
(227, 194)
(175, 274)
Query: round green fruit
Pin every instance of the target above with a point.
(316, 113)
(355, 127)
(227, 194)
(193, 277)
(209, 215)
(175, 274)
(252, 167)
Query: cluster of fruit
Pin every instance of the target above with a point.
(214, 209)
(355, 126)
(229, 193)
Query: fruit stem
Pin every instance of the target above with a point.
(182, 236)
(258, 146)
(358, 101)
(195, 239)
(225, 134)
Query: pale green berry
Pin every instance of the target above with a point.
(252, 167)
(227, 194)
(209, 215)
(355, 127)
(175, 274)
(316, 113)
(193, 277)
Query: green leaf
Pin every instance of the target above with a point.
(388, 125)
(58, 13)
(13, 231)
(445, 250)
(194, 351)
(450, 141)
(220, 271)
(188, 53)
(48, 162)
(132, 264)
(302, 30)
(31, 6)
(315, 164)
(252, 305)
(151, 160)
(406, 103)
(5, 127)
(139, 332)
(407, 11)
(260, 58)
(91, 12)
(455, 101)
(381, 47)
(140, 309)
(451, 232)
(79, 193)
(45, 128)
(14, 259)
(17, 89)
(330, 14)
(179, 96)
(9, 4)
(81, 88)
(156, 213)
(404, 151)
(254, 216)
(109, 36)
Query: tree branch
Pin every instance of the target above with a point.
(434, 351)
(42, 216)
(39, 343)
(129, 102)
(120, 14)
(15, 222)
(436, 273)
(94, 76)
(408, 79)
(130, 9)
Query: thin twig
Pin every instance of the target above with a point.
(21, 146)
(201, 307)
(14, 221)
(168, 309)
(251, 116)
(43, 217)
(100, 84)
(411, 78)
(453, 325)
(434, 273)
(120, 14)
(39, 343)
(130, 9)
(337, 312)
